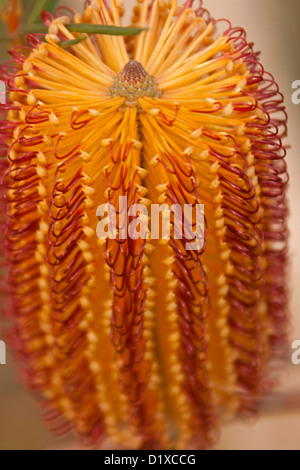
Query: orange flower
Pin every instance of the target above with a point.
(11, 14)
(141, 340)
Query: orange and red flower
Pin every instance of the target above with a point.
(11, 14)
(140, 340)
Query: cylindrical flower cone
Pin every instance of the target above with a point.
(131, 339)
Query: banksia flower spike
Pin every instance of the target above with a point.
(11, 13)
(141, 340)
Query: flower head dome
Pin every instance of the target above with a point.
(142, 340)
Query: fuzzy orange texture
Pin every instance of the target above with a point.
(142, 341)
(12, 13)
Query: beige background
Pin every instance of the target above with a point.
(274, 26)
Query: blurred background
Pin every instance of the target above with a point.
(274, 27)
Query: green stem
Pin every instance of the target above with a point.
(103, 29)
(73, 42)
(88, 29)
